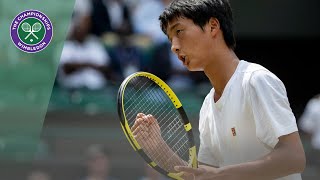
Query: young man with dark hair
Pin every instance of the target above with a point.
(247, 128)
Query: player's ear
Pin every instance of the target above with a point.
(214, 26)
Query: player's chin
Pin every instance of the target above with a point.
(194, 68)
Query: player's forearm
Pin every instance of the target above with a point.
(283, 161)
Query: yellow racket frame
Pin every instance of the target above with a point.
(176, 102)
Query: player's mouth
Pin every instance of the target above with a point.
(183, 59)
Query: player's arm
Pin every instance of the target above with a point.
(287, 158)
(204, 164)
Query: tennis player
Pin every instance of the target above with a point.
(247, 128)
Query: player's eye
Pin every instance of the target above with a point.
(179, 31)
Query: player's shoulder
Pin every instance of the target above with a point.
(256, 72)
(256, 75)
(251, 68)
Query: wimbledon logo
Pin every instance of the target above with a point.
(31, 31)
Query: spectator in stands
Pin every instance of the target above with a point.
(145, 19)
(310, 121)
(82, 8)
(84, 60)
(111, 20)
(110, 16)
(145, 22)
(38, 175)
(97, 163)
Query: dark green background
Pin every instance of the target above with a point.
(26, 80)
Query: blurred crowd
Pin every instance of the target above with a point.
(109, 39)
(309, 121)
(97, 166)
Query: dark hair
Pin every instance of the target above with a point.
(200, 12)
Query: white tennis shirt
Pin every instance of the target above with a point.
(245, 123)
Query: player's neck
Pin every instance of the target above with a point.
(221, 70)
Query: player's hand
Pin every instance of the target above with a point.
(203, 173)
(146, 131)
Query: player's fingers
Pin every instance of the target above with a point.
(188, 176)
(136, 123)
(144, 127)
(155, 129)
(141, 128)
(138, 135)
(153, 122)
(141, 136)
(136, 130)
(189, 170)
(151, 119)
(184, 169)
(140, 115)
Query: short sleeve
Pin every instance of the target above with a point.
(271, 109)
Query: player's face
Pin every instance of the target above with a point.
(190, 43)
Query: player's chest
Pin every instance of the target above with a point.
(232, 124)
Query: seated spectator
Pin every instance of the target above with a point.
(38, 175)
(145, 19)
(309, 121)
(84, 61)
(111, 21)
(145, 22)
(127, 57)
(110, 16)
(97, 163)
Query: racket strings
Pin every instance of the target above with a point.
(132, 114)
(129, 99)
(183, 152)
(172, 142)
(143, 95)
(180, 148)
(156, 154)
(167, 163)
(166, 111)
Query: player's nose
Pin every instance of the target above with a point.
(175, 47)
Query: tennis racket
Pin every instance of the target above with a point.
(155, 124)
(36, 27)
